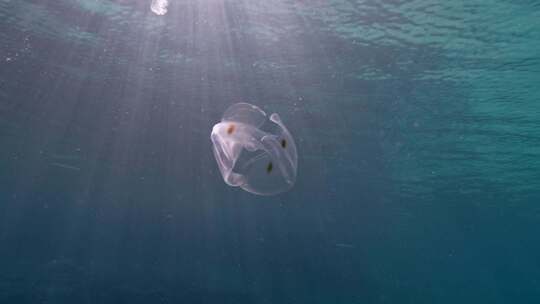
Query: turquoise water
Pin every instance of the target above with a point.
(417, 125)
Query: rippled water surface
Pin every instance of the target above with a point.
(418, 131)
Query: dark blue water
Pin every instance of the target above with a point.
(418, 132)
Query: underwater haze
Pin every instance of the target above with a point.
(416, 122)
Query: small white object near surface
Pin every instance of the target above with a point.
(159, 7)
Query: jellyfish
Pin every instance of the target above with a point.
(253, 151)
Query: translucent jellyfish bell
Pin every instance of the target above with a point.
(253, 151)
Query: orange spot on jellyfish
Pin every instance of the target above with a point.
(230, 129)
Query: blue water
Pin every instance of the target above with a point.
(418, 132)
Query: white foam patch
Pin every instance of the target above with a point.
(159, 7)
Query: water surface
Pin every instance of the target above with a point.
(417, 126)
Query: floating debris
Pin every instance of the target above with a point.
(159, 7)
